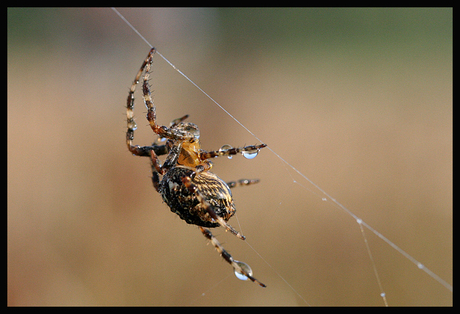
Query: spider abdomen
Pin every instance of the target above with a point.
(185, 203)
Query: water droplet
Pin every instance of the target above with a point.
(324, 199)
(420, 265)
(132, 125)
(242, 266)
(359, 221)
(194, 132)
(250, 154)
(240, 276)
(225, 148)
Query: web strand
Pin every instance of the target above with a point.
(326, 196)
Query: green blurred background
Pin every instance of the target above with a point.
(358, 100)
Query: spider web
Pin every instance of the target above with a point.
(294, 181)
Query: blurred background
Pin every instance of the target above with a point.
(358, 100)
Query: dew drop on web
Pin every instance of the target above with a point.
(224, 148)
(244, 267)
(250, 154)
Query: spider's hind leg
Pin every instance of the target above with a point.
(239, 267)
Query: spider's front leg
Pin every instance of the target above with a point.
(162, 131)
(170, 161)
(131, 124)
(239, 267)
(248, 151)
(145, 151)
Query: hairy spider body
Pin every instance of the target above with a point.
(182, 201)
(190, 190)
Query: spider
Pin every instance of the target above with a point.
(190, 190)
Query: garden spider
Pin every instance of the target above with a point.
(190, 190)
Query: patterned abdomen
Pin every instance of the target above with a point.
(186, 204)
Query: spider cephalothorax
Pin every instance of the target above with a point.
(190, 190)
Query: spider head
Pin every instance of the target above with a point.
(188, 131)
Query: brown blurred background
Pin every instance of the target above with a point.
(358, 100)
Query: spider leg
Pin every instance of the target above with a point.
(177, 121)
(161, 130)
(170, 161)
(242, 182)
(237, 266)
(158, 169)
(187, 181)
(148, 100)
(231, 151)
(144, 151)
(204, 166)
(155, 179)
(131, 124)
